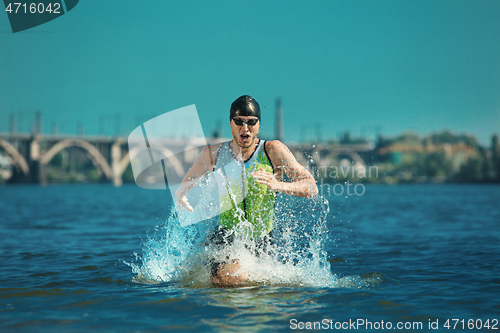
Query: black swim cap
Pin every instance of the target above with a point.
(244, 106)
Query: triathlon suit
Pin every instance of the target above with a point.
(244, 200)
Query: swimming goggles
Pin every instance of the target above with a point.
(249, 122)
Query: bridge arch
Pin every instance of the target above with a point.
(353, 155)
(172, 160)
(17, 158)
(94, 154)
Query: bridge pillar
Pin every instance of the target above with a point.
(116, 156)
(37, 170)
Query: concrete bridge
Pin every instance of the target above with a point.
(31, 154)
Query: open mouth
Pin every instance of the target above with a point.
(245, 138)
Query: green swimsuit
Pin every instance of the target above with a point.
(243, 198)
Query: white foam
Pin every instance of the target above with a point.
(175, 253)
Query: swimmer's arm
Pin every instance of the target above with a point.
(303, 183)
(202, 165)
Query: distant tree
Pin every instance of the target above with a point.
(448, 137)
(93, 175)
(477, 169)
(345, 137)
(409, 138)
(128, 175)
(469, 171)
(469, 140)
(57, 160)
(435, 164)
(443, 137)
(382, 141)
(495, 157)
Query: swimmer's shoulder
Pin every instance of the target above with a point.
(276, 148)
(212, 150)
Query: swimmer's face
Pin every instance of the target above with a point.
(245, 130)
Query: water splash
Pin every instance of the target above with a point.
(297, 257)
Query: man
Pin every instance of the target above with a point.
(252, 198)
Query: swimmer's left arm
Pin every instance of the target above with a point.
(303, 183)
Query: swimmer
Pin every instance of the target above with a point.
(265, 163)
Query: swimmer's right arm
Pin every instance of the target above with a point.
(201, 166)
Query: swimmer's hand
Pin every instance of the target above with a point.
(183, 202)
(267, 178)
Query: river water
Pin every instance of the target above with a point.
(410, 256)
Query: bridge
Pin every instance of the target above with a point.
(31, 154)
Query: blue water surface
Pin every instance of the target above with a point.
(414, 254)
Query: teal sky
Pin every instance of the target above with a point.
(351, 65)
